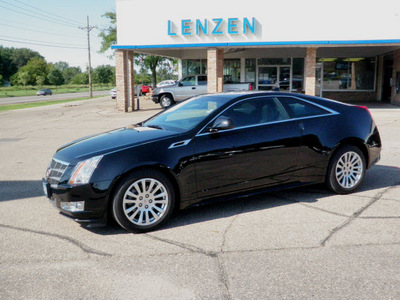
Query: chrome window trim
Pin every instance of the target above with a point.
(330, 112)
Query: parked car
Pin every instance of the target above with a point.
(190, 86)
(212, 146)
(113, 92)
(44, 92)
(166, 82)
(146, 89)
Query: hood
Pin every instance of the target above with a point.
(109, 142)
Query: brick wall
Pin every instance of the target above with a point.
(215, 69)
(121, 78)
(310, 65)
(351, 96)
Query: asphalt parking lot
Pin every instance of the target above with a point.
(299, 244)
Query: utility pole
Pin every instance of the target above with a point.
(88, 28)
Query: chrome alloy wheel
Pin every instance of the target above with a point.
(145, 201)
(349, 170)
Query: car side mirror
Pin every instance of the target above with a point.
(180, 84)
(221, 123)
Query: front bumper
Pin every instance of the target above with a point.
(155, 99)
(85, 204)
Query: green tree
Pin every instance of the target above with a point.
(7, 67)
(12, 59)
(81, 78)
(70, 72)
(109, 34)
(104, 74)
(61, 65)
(24, 77)
(55, 76)
(21, 56)
(35, 67)
(40, 80)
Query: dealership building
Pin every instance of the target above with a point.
(343, 50)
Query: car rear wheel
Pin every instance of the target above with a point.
(346, 170)
(166, 101)
(143, 201)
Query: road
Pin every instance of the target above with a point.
(305, 243)
(27, 99)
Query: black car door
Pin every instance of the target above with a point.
(261, 150)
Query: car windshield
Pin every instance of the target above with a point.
(186, 115)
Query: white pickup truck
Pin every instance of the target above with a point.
(190, 86)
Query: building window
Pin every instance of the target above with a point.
(194, 67)
(232, 70)
(298, 75)
(250, 70)
(349, 74)
(274, 61)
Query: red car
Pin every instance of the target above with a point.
(145, 89)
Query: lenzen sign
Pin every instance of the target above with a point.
(216, 26)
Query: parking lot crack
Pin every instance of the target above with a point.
(355, 215)
(70, 240)
(310, 206)
(224, 279)
(188, 247)
(230, 226)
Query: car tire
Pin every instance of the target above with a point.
(346, 170)
(166, 101)
(143, 201)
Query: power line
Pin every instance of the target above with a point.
(44, 32)
(72, 21)
(47, 16)
(39, 43)
(33, 16)
(29, 40)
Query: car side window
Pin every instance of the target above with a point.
(188, 81)
(202, 80)
(297, 108)
(255, 111)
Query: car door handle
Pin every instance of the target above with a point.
(193, 88)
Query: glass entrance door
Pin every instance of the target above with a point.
(275, 78)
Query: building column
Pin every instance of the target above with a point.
(396, 73)
(215, 70)
(310, 66)
(121, 80)
(131, 89)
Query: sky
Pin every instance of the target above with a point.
(51, 27)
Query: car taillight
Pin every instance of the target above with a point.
(364, 107)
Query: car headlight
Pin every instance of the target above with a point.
(84, 170)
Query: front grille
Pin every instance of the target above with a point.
(56, 171)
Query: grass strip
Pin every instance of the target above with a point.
(7, 107)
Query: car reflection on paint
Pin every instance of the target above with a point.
(211, 146)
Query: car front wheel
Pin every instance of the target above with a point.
(143, 201)
(166, 101)
(346, 170)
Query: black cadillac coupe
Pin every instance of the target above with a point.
(210, 146)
